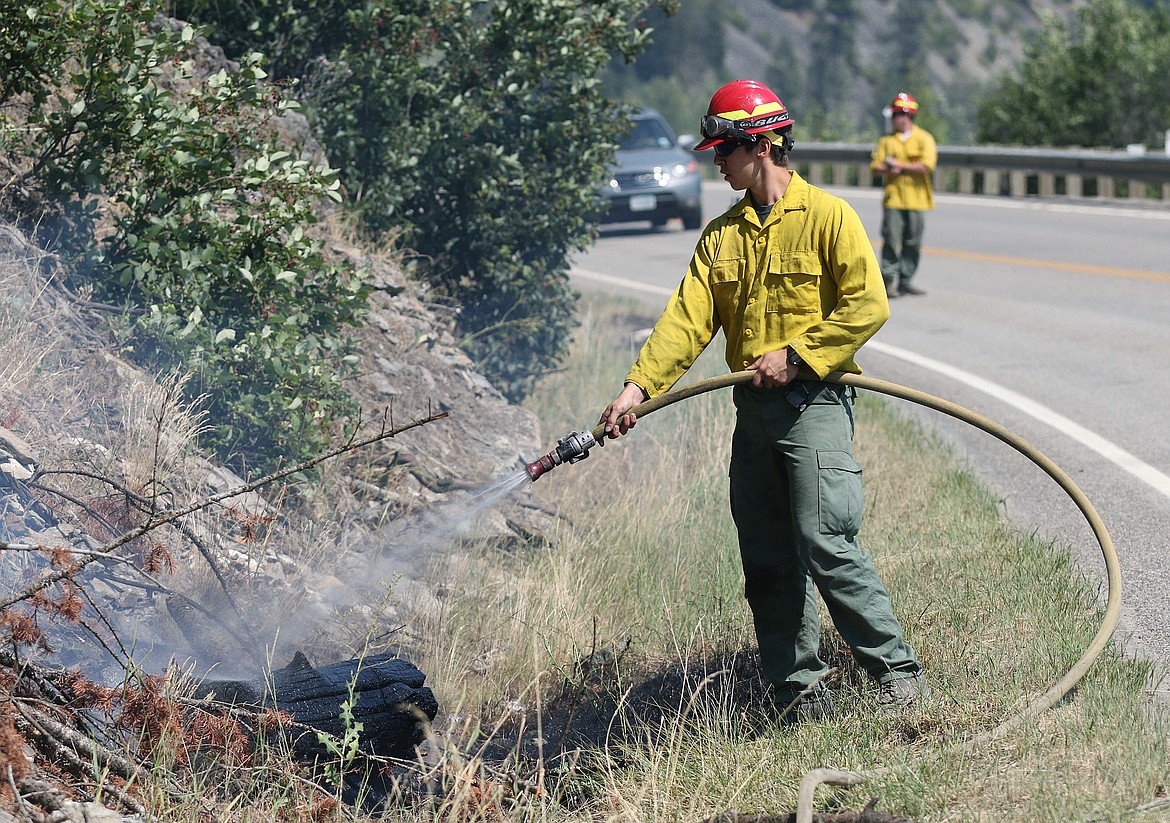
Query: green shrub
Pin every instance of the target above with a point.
(479, 129)
(170, 197)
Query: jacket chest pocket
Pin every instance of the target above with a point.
(793, 281)
(726, 279)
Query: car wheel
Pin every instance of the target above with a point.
(658, 220)
(693, 219)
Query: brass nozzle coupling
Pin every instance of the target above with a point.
(571, 448)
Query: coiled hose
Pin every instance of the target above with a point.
(1109, 620)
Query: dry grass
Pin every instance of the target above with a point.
(632, 615)
(125, 424)
(622, 637)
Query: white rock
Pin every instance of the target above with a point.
(89, 813)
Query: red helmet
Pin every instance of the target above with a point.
(905, 104)
(740, 109)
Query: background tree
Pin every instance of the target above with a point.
(1100, 81)
(681, 63)
(826, 105)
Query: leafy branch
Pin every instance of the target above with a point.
(173, 197)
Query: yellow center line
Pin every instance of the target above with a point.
(1080, 268)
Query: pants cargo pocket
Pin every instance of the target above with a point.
(841, 498)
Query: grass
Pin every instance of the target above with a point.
(626, 633)
(607, 672)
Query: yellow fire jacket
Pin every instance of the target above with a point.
(913, 192)
(806, 278)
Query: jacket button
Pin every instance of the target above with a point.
(747, 332)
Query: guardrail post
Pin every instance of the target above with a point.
(966, 181)
(1018, 184)
(1074, 185)
(1105, 187)
(1046, 184)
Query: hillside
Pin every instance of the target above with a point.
(127, 552)
(836, 63)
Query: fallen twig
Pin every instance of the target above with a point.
(351, 445)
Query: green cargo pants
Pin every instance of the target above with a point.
(797, 501)
(902, 232)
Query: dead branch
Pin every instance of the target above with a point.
(105, 621)
(349, 446)
(87, 756)
(86, 747)
(148, 505)
(134, 499)
(45, 679)
(25, 808)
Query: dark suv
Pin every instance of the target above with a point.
(655, 176)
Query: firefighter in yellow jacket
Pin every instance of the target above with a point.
(906, 157)
(791, 279)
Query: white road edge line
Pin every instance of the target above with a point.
(630, 285)
(1106, 448)
(1143, 471)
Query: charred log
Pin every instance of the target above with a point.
(390, 701)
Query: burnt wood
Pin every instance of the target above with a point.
(390, 702)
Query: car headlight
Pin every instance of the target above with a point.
(663, 176)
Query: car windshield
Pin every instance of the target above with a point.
(646, 134)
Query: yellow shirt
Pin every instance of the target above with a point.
(807, 278)
(908, 191)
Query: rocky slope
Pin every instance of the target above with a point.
(86, 438)
(92, 447)
(957, 50)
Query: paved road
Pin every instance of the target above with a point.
(1052, 319)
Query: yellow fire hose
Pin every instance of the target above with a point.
(1112, 566)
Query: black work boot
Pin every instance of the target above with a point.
(814, 707)
(901, 693)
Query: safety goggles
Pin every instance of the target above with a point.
(728, 146)
(714, 127)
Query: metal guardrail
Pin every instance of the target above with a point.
(1014, 172)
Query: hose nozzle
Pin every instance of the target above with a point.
(571, 448)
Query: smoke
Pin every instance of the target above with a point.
(105, 432)
(390, 565)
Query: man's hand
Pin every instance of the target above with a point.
(617, 416)
(773, 370)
